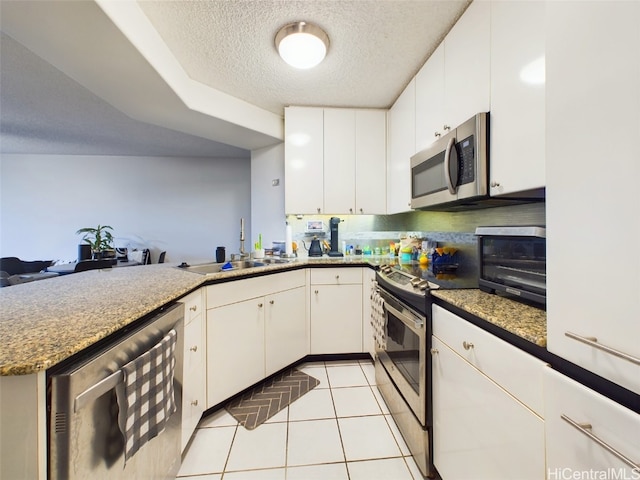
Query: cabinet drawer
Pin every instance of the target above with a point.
(194, 353)
(571, 450)
(514, 370)
(336, 276)
(239, 290)
(192, 306)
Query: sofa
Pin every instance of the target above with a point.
(14, 271)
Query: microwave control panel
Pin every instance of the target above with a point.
(466, 166)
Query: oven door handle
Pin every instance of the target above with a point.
(417, 321)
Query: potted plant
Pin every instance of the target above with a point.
(100, 239)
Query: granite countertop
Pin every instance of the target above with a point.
(45, 322)
(525, 321)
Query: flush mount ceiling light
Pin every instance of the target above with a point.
(302, 45)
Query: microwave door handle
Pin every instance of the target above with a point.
(451, 175)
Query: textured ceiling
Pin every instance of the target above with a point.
(376, 47)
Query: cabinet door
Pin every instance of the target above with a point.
(479, 430)
(402, 145)
(430, 99)
(336, 319)
(371, 162)
(303, 160)
(339, 160)
(517, 97)
(235, 348)
(593, 213)
(570, 450)
(194, 380)
(467, 65)
(286, 333)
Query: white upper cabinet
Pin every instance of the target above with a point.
(401, 146)
(593, 173)
(454, 84)
(371, 161)
(467, 53)
(303, 160)
(430, 99)
(517, 123)
(335, 161)
(339, 160)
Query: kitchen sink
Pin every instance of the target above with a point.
(210, 268)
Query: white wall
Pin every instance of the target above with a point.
(267, 201)
(186, 206)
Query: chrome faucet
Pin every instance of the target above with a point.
(242, 254)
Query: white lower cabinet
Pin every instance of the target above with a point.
(194, 379)
(576, 419)
(286, 332)
(482, 429)
(251, 338)
(336, 310)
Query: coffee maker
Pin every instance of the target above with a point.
(333, 228)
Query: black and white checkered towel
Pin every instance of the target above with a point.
(378, 318)
(146, 397)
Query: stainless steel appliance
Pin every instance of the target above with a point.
(84, 438)
(513, 260)
(453, 172)
(454, 168)
(403, 359)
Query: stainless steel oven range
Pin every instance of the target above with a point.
(403, 359)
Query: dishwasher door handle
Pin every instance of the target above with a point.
(97, 390)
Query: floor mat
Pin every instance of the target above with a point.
(267, 398)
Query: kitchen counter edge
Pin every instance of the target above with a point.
(45, 322)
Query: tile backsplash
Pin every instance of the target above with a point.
(447, 228)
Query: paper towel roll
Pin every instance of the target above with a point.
(288, 242)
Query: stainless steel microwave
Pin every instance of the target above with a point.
(454, 170)
(512, 260)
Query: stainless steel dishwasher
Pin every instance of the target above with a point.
(84, 437)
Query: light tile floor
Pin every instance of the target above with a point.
(339, 430)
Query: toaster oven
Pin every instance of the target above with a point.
(512, 260)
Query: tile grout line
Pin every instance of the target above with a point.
(335, 412)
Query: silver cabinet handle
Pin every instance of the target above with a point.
(194, 403)
(351, 210)
(593, 342)
(316, 292)
(193, 308)
(467, 345)
(436, 134)
(434, 351)
(446, 127)
(337, 277)
(585, 429)
(495, 184)
(271, 302)
(259, 305)
(194, 348)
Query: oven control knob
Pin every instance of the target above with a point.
(423, 285)
(415, 281)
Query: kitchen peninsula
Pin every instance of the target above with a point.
(44, 323)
